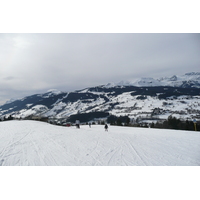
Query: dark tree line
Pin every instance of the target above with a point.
(10, 117)
(177, 124)
(119, 121)
(170, 123)
(85, 117)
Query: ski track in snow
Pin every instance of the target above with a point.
(31, 143)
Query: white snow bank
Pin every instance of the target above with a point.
(41, 144)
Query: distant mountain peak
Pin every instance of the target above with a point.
(173, 78)
(193, 73)
(54, 91)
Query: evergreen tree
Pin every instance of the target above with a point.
(173, 122)
(119, 122)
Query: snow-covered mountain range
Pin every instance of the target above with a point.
(144, 99)
(187, 80)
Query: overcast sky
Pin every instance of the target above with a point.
(35, 63)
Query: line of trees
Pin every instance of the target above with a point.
(119, 121)
(10, 117)
(177, 124)
(170, 123)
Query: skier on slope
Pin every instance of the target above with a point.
(77, 123)
(106, 127)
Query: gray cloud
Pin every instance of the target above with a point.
(33, 63)
(9, 78)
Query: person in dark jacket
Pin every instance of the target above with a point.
(106, 127)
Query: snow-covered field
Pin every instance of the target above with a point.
(32, 143)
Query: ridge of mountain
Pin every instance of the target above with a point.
(142, 100)
(191, 79)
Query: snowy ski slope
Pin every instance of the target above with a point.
(32, 143)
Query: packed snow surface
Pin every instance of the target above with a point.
(42, 144)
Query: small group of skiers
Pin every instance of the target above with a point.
(78, 125)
